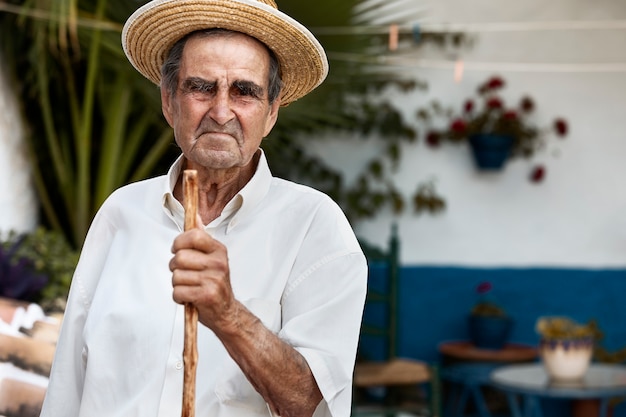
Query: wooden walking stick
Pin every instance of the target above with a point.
(190, 349)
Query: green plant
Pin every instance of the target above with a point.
(564, 328)
(488, 112)
(348, 102)
(18, 278)
(601, 353)
(46, 254)
(486, 304)
(96, 124)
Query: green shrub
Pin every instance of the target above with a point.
(46, 253)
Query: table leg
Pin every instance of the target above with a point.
(479, 400)
(513, 405)
(452, 402)
(532, 406)
(462, 402)
(456, 402)
(604, 405)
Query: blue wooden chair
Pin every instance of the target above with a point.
(390, 376)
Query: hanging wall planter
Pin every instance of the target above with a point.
(495, 130)
(491, 150)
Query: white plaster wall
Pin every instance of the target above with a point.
(577, 216)
(18, 202)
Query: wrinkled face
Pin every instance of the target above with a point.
(220, 111)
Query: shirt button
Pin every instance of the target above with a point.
(179, 365)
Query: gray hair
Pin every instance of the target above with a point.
(171, 66)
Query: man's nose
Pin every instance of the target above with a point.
(221, 110)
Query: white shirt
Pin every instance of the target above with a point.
(294, 262)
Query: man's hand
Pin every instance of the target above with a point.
(201, 277)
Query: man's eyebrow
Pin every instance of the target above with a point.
(197, 83)
(249, 88)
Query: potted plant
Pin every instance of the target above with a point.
(18, 278)
(488, 323)
(566, 347)
(495, 131)
(37, 267)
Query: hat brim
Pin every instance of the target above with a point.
(154, 28)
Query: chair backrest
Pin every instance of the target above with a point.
(380, 319)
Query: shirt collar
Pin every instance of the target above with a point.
(239, 208)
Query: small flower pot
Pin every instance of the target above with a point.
(489, 332)
(490, 151)
(566, 359)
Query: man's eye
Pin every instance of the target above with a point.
(243, 91)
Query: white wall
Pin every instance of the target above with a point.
(18, 203)
(577, 216)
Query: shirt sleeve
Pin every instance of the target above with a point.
(64, 392)
(322, 311)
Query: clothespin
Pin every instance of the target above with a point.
(417, 33)
(393, 37)
(458, 70)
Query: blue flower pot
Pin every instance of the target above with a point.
(491, 150)
(489, 332)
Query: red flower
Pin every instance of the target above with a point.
(483, 287)
(433, 139)
(458, 126)
(495, 82)
(510, 115)
(469, 106)
(494, 103)
(527, 104)
(538, 174)
(560, 126)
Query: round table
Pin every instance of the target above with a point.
(531, 382)
(463, 350)
(467, 369)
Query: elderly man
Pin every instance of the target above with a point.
(274, 269)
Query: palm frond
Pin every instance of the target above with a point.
(80, 97)
(386, 12)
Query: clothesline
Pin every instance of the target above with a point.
(417, 27)
(444, 27)
(411, 63)
(521, 66)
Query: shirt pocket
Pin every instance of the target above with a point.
(233, 388)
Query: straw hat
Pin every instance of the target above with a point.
(154, 28)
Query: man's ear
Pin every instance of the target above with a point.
(166, 105)
(272, 117)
